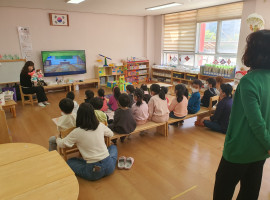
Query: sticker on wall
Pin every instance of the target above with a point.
(229, 61)
(174, 59)
(215, 62)
(187, 58)
(222, 61)
(58, 19)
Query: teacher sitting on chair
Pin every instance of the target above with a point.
(29, 88)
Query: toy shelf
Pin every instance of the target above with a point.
(108, 73)
(137, 71)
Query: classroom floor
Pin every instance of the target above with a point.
(181, 166)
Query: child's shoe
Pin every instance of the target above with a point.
(129, 162)
(121, 162)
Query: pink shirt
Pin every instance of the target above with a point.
(140, 113)
(105, 106)
(113, 103)
(158, 107)
(179, 109)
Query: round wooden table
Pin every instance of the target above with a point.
(29, 171)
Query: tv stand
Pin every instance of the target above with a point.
(86, 82)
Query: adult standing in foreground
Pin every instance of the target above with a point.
(27, 86)
(247, 142)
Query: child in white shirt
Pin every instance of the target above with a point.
(98, 161)
(71, 96)
(66, 121)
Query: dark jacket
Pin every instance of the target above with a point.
(206, 97)
(222, 113)
(123, 122)
(25, 80)
(131, 100)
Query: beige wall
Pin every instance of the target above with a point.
(114, 36)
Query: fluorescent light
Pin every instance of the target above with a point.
(75, 1)
(164, 6)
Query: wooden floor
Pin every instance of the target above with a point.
(164, 168)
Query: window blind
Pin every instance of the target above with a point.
(223, 12)
(180, 31)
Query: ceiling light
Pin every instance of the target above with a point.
(75, 1)
(164, 6)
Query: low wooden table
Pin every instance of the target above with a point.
(29, 171)
(11, 105)
(52, 87)
(87, 81)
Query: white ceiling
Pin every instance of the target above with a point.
(119, 7)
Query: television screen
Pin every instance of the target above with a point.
(59, 63)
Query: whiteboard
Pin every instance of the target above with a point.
(10, 71)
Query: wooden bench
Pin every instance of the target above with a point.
(203, 111)
(88, 81)
(139, 128)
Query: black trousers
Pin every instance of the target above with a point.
(39, 90)
(229, 174)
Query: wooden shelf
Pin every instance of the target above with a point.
(140, 61)
(138, 69)
(17, 60)
(112, 75)
(161, 76)
(138, 75)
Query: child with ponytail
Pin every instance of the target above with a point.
(178, 107)
(113, 105)
(157, 105)
(140, 107)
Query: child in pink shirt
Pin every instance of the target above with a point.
(139, 108)
(113, 105)
(101, 94)
(178, 107)
(157, 106)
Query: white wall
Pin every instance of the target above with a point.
(260, 7)
(112, 35)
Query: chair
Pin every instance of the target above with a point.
(67, 150)
(4, 136)
(30, 98)
(212, 100)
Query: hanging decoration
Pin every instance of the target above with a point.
(255, 22)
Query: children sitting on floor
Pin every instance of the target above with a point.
(157, 106)
(89, 94)
(209, 92)
(123, 122)
(178, 107)
(139, 108)
(97, 104)
(165, 90)
(220, 120)
(97, 160)
(113, 105)
(195, 99)
(101, 94)
(65, 122)
(146, 96)
(71, 96)
(130, 92)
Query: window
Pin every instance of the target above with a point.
(203, 36)
(216, 42)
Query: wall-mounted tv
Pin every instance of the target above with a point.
(59, 63)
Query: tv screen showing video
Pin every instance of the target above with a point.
(59, 63)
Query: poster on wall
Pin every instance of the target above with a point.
(25, 42)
